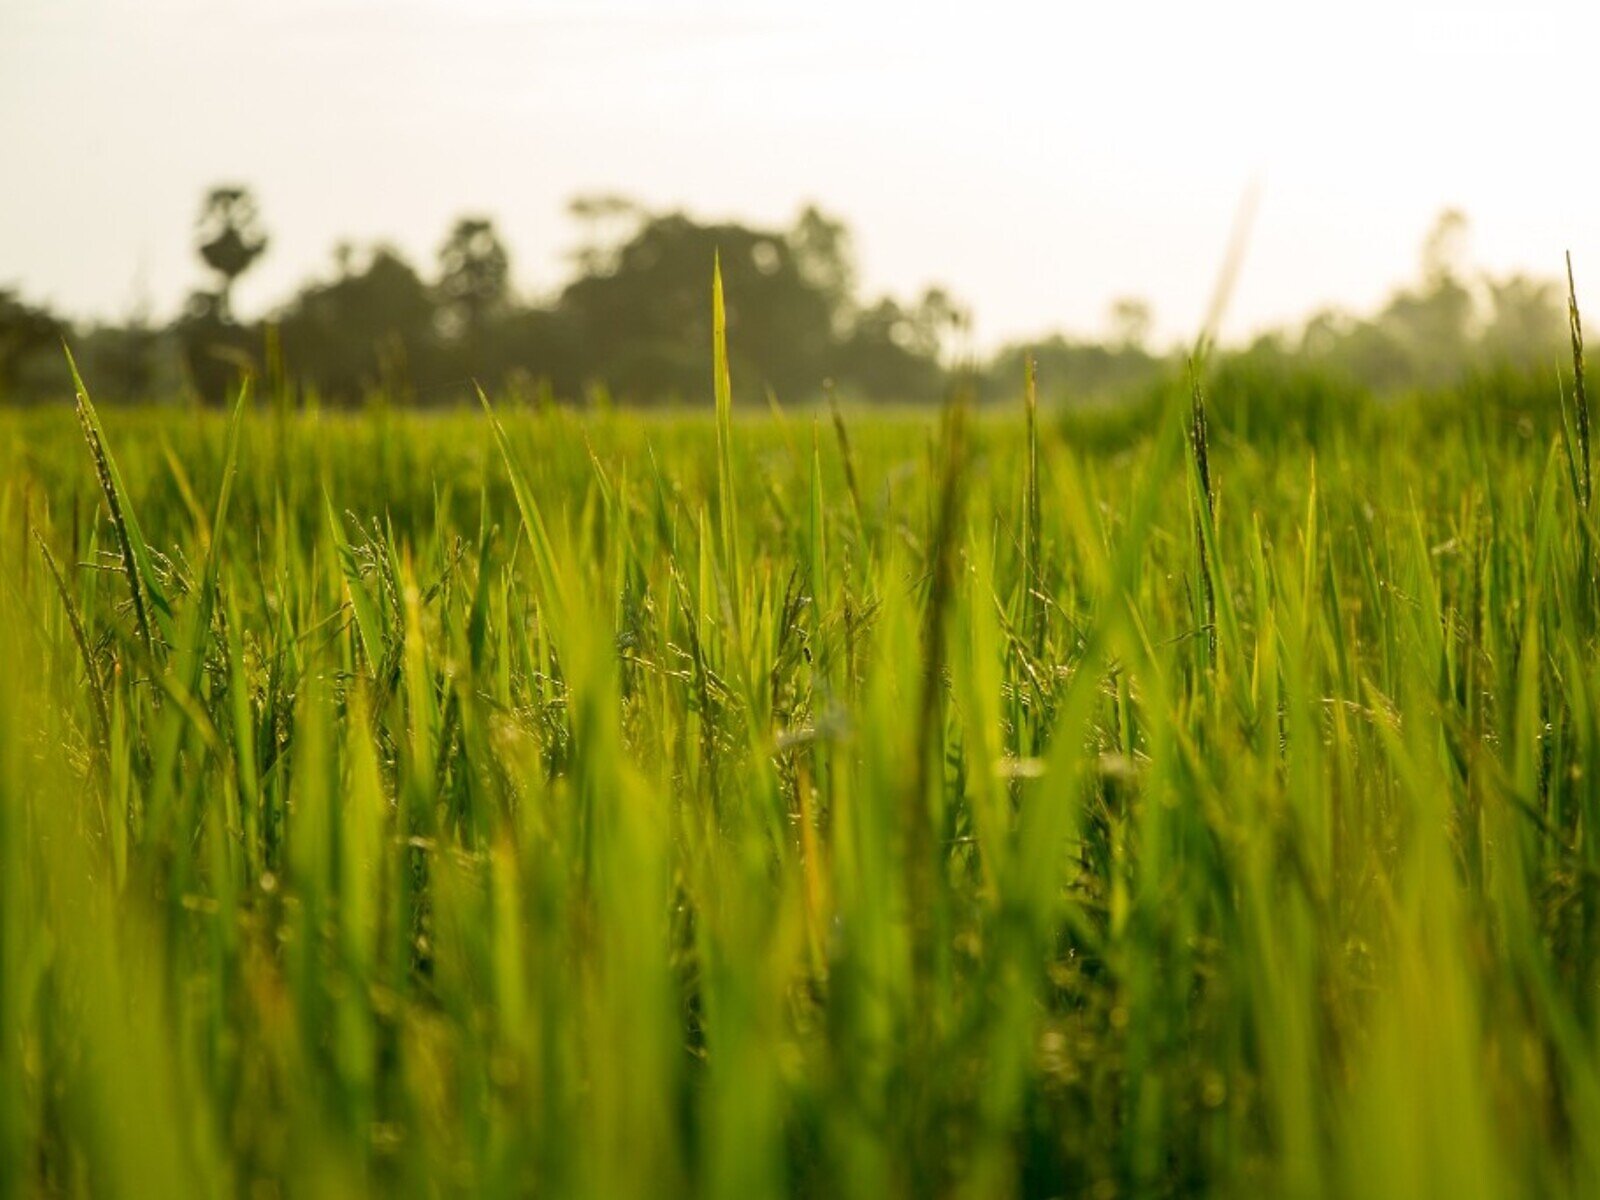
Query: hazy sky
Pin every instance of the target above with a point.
(1038, 159)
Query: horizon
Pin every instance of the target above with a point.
(433, 110)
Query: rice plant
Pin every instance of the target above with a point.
(509, 803)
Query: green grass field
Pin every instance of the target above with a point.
(536, 804)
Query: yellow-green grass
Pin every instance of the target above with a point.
(508, 803)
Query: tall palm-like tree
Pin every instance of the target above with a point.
(229, 237)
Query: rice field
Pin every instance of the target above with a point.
(819, 804)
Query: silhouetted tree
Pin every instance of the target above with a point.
(826, 259)
(608, 220)
(646, 324)
(1526, 321)
(1444, 248)
(125, 360)
(474, 276)
(215, 351)
(229, 237)
(936, 323)
(26, 332)
(1077, 371)
(372, 326)
(885, 356)
(1130, 320)
(1429, 333)
(1432, 323)
(636, 319)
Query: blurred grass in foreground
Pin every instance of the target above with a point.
(635, 805)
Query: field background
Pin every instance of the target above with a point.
(1182, 798)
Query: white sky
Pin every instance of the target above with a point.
(1038, 159)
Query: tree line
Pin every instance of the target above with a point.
(632, 324)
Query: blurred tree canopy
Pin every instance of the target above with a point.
(474, 278)
(1449, 326)
(229, 238)
(361, 329)
(27, 334)
(633, 325)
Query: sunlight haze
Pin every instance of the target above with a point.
(1039, 162)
